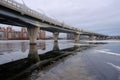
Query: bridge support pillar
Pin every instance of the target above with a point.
(55, 36)
(96, 37)
(55, 46)
(92, 37)
(99, 38)
(77, 37)
(104, 38)
(33, 56)
(33, 34)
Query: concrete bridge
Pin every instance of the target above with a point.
(17, 14)
(89, 35)
(95, 36)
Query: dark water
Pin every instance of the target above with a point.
(88, 62)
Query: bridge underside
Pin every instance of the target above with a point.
(17, 19)
(97, 35)
(13, 17)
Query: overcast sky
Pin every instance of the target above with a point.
(102, 16)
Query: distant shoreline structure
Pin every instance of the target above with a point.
(7, 33)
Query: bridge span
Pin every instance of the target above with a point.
(14, 13)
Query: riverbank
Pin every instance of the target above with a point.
(69, 68)
(84, 61)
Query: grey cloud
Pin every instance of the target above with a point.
(96, 15)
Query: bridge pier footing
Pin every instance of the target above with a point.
(55, 46)
(55, 36)
(77, 38)
(33, 34)
(33, 56)
(92, 37)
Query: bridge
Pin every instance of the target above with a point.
(14, 13)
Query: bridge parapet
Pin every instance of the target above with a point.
(25, 10)
(36, 19)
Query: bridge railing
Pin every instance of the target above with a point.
(25, 10)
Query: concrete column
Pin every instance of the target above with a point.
(95, 37)
(98, 38)
(33, 34)
(55, 46)
(101, 38)
(33, 56)
(104, 38)
(77, 37)
(55, 36)
(92, 37)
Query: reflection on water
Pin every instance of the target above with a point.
(23, 47)
(9, 47)
(6, 47)
(56, 46)
(33, 54)
(12, 68)
(42, 45)
(26, 55)
(12, 51)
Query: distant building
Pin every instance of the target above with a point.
(41, 34)
(2, 33)
(24, 34)
(10, 34)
